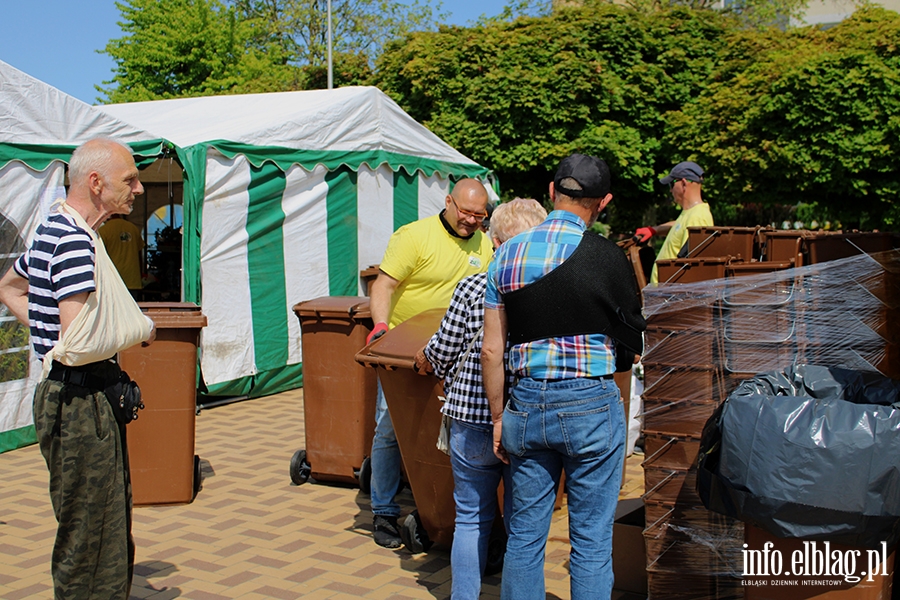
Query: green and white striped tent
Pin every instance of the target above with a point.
(287, 197)
(40, 126)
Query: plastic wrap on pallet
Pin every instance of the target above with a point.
(692, 553)
(837, 313)
(704, 339)
(666, 585)
(703, 546)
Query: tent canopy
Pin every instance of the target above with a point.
(40, 124)
(287, 197)
(346, 126)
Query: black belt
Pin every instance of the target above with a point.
(95, 376)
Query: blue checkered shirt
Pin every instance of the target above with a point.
(461, 325)
(526, 258)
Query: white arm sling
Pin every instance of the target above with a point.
(110, 320)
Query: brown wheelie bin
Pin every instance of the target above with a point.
(164, 468)
(415, 410)
(338, 393)
(414, 404)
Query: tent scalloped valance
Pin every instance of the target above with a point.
(333, 160)
(39, 156)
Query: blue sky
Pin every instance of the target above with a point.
(56, 40)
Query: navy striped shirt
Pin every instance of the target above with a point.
(59, 264)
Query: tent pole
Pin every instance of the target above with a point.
(330, 68)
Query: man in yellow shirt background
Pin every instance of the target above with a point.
(123, 242)
(685, 181)
(422, 264)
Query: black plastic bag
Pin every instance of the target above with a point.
(811, 452)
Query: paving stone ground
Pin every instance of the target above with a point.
(250, 533)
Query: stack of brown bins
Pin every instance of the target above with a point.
(691, 553)
(862, 303)
(880, 290)
(734, 308)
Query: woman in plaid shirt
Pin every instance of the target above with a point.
(454, 352)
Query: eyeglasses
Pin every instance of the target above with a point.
(479, 216)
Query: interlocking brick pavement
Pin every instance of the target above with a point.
(250, 533)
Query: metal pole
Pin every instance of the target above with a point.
(330, 68)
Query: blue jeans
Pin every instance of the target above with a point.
(476, 476)
(385, 462)
(577, 425)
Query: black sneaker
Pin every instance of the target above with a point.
(386, 532)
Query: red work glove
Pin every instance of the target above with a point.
(643, 234)
(379, 330)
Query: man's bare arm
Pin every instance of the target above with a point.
(69, 309)
(380, 293)
(663, 228)
(14, 294)
(493, 372)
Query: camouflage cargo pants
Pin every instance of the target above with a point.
(90, 489)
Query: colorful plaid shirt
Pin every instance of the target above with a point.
(525, 259)
(461, 328)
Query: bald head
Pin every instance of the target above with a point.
(97, 154)
(472, 190)
(103, 180)
(466, 206)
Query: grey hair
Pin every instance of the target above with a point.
(94, 155)
(513, 217)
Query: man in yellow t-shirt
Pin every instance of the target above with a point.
(123, 242)
(685, 181)
(423, 263)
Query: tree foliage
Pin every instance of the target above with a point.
(359, 27)
(776, 117)
(596, 79)
(178, 48)
(808, 116)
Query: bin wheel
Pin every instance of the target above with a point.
(496, 550)
(413, 534)
(198, 477)
(365, 476)
(300, 468)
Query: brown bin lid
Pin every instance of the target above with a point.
(697, 262)
(756, 267)
(721, 229)
(682, 269)
(334, 306)
(787, 233)
(371, 271)
(170, 306)
(174, 314)
(398, 347)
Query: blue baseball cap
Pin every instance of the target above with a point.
(684, 170)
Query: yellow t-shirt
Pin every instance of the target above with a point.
(696, 216)
(123, 243)
(429, 262)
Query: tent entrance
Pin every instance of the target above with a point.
(158, 213)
